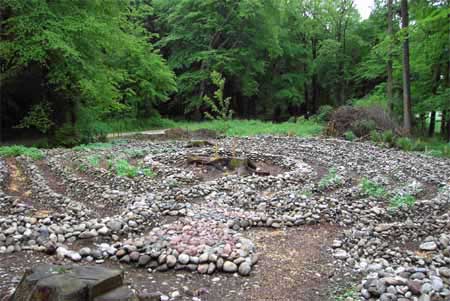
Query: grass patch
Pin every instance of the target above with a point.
(302, 128)
(92, 146)
(94, 160)
(348, 294)
(372, 189)
(400, 200)
(124, 169)
(20, 150)
(133, 125)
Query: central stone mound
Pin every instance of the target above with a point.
(239, 166)
(55, 282)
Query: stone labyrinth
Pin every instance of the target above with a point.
(197, 218)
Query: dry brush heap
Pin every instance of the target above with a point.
(179, 218)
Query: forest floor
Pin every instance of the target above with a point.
(313, 219)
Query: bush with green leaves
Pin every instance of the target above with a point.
(376, 137)
(372, 189)
(402, 200)
(324, 113)
(20, 150)
(349, 136)
(363, 127)
(67, 135)
(39, 117)
(330, 179)
(388, 138)
(404, 143)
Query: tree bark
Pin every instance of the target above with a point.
(407, 110)
(314, 84)
(434, 89)
(432, 124)
(443, 123)
(390, 79)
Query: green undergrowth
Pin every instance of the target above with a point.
(124, 169)
(400, 200)
(330, 179)
(302, 128)
(372, 189)
(431, 146)
(20, 150)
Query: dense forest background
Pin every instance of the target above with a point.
(69, 67)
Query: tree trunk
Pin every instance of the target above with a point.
(434, 89)
(443, 123)
(390, 79)
(432, 124)
(407, 110)
(314, 84)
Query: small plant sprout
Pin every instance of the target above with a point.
(372, 189)
(331, 179)
(401, 201)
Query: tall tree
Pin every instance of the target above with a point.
(407, 110)
(390, 79)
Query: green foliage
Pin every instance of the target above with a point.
(39, 117)
(92, 146)
(136, 153)
(405, 143)
(388, 138)
(219, 105)
(124, 169)
(372, 189)
(349, 136)
(363, 127)
(94, 160)
(67, 136)
(20, 150)
(305, 128)
(376, 137)
(133, 124)
(348, 294)
(402, 200)
(330, 179)
(90, 54)
(324, 113)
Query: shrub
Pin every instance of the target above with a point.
(388, 137)
(363, 127)
(402, 200)
(349, 136)
(67, 136)
(372, 189)
(404, 143)
(376, 137)
(39, 117)
(362, 119)
(20, 150)
(324, 113)
(419, 146)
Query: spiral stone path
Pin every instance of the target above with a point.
(307, 231)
